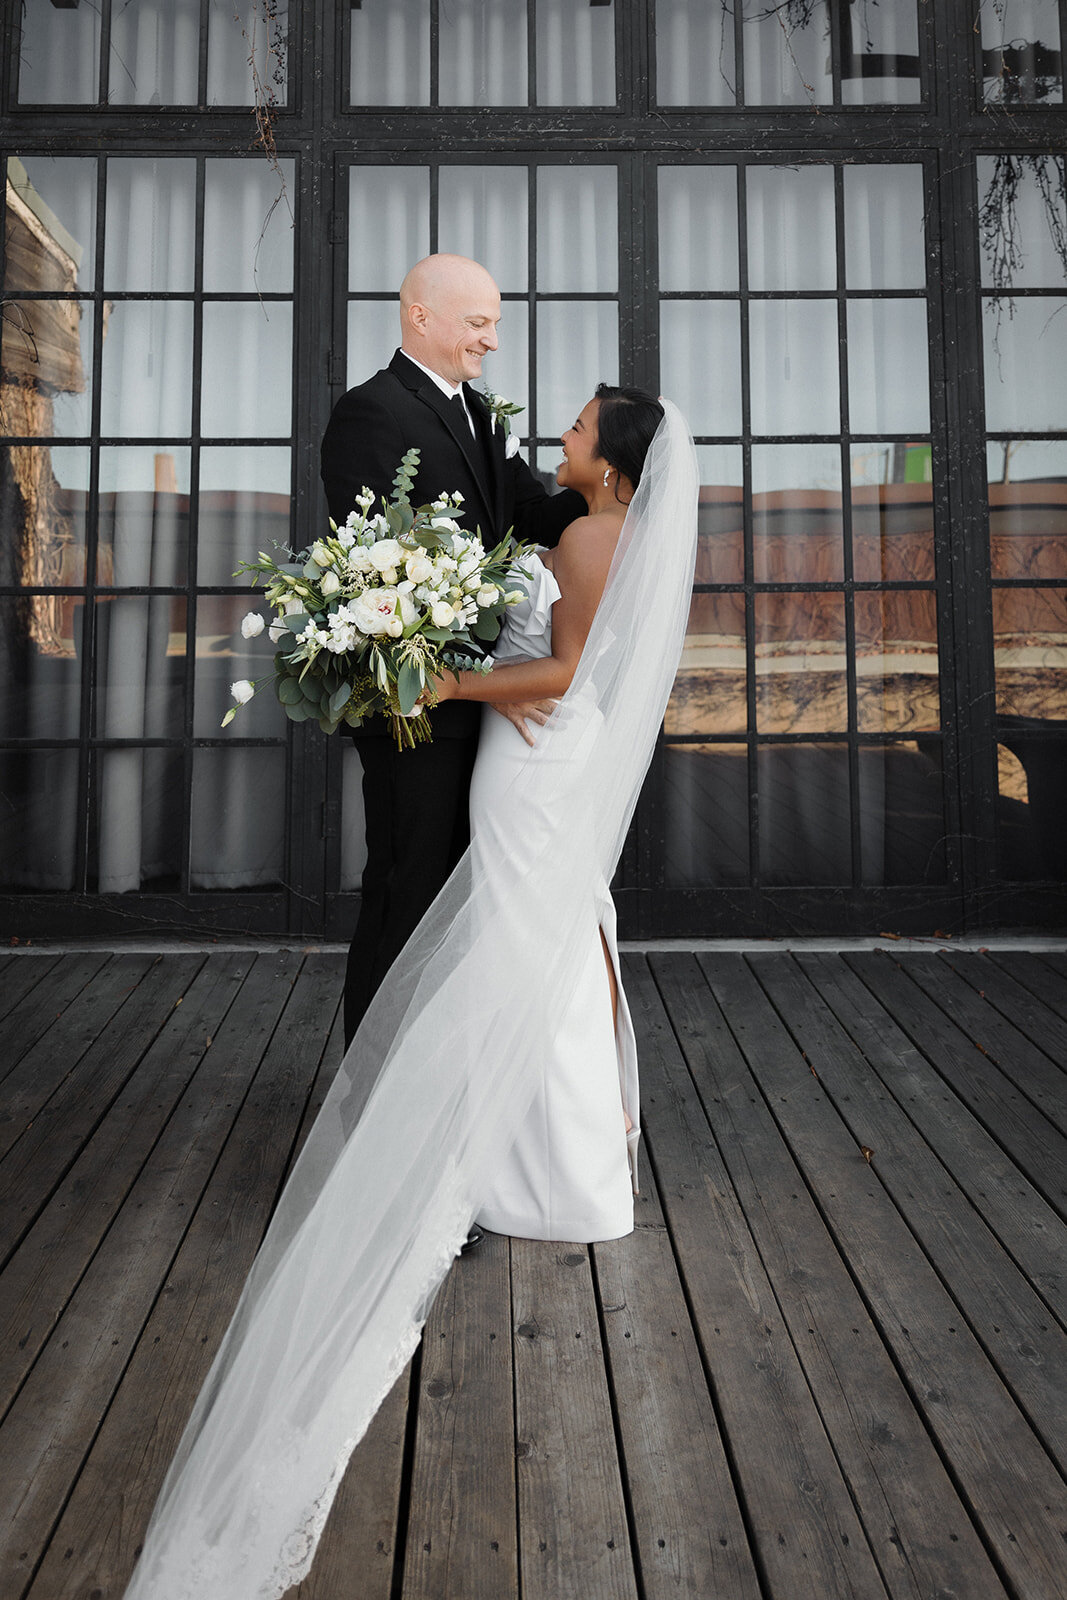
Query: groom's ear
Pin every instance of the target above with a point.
(417, 317)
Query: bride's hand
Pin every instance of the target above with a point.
(522, 712)
(438, 690)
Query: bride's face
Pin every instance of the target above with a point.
(581, 467)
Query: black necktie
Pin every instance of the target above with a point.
(457, 400)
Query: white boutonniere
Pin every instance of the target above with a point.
(501, 411)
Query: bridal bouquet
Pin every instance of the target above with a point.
(368, 615)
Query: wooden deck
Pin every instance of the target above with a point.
(831, 1361)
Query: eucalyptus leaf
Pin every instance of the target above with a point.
(340, 698)
(290, 692)
(409, 686)
(297, 622)
(299, 713)
(486, 626)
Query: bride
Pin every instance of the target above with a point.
(455, 1098)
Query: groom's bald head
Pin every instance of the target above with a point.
(449, 309)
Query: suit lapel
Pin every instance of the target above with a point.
(493, 445)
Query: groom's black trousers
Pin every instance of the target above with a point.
(417, 828)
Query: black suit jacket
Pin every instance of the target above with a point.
(374, 424)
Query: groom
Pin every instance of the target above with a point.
(416, 800)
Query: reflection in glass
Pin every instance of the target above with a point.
(43, 490)
(800, 663)
(896, 660)
(1030, 653)
(888, 366)
(1028, 507)
(248, 238)
(1032, 800)
(901, 813)
(50, 223)
(1025, 357)
(483, 54)
(720, 522)
(39, 792)
(224, 655)
(1022, 221)
(373, 335)
(389, 62)
(150, 233)
(804, 813)
(698, 228)
(793, 366)
(577, 230)
(144, 515)
(234, 39)
(40, 668)
(709, 689)
(879, 53)
(791, 238)
(59, 54)
(787, 55)
(575, 54)
(700, 359)
(140, 666)
(155, 52)
(391, 206)
(705, 815)
(577, 347)
(246, 389)
(796, 513)
(146, 372)
(245, 507)
(483, 214)
(353, 819)
(229, 787)
(1021, 61)
(45, 366)
(694, 54)
(884, 228)
(140, 815)
(892, 513)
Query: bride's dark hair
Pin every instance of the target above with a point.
(625, 424)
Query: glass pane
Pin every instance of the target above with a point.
(1032, 766)
(140, 795)
(223, 656)
(888, 366)
(238, 33)
(791, 239)
(577, 230)
(796, 513)
(694, 54)
(575, 54)
(353, 819)
(144, 514)
(507, 370)
(247, 373)
(1025, 359)
(577, 348)
(800, 663)
(388, 226)
(140, 666)
(151, 223)
(793, 366)
(59, 54)
(1022, 221)
(229, 787)
(884, 232)
(389, 63)
(43, 491)
(40, 667)
(248, 238)
(698, 228)
(46, 363)
(1030, 655)
(40, 789)
(483, 214)
(1021, 52)
(787, 55)
(155, 53)
(901, 814)
(880, 53)
(700, 362)
(705, 815)
(896, 660)
(483, 53)
(720, 526)
(892, 513)
(50, 226)
(804, 813)
(147, 369)
(1028, 508)
(245, 507)
(709, 690)
(373, 336)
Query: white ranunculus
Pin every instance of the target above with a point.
(385, 554)
(252, 625)
(443, 614)
(242, 691)
(419, 566)
(330, 584)
(487, 595)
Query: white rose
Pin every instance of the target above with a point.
(445, 525)
(487, 595)
(330, 584)
(242, 691)
(292, 608)
(276, 631)
(252, 625)
(384, 554)
(374, 610)
(442, 615)
(419, 566)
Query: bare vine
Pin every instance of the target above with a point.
(264, 30)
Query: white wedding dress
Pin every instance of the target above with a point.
(566, 1176)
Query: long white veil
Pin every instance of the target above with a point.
(433, 1087)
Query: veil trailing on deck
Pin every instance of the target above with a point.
(431, 1091)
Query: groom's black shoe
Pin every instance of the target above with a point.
(472, 1241)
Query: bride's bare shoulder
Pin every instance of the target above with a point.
(598, 531)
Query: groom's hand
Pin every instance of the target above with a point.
(520, 713)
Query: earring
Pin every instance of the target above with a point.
(607, 475)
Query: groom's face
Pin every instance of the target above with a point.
(460, 330)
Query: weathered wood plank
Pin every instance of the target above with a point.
(808, 1539)
(1019, 1009)
(688, 1532)
(1027, 969)
(1016, 1492)
(461, 1536)
(919, 1530)
(573, 1534)
(41, 1010)
(19, 976)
